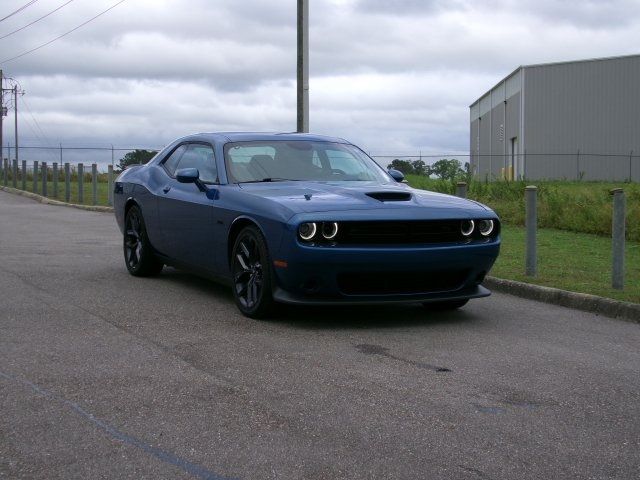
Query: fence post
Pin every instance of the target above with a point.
(5, 171)
(35, 176)
(55, 180)
(24, 174)
(617, 232)
(94, 183)
(44, 179)
(110, 184)
(461, 189)
(14, 174)
(80, 183)
(67, 182)
(531, 197)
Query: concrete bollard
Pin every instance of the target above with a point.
(80, 183)
(461, 189)
(531, 221)
(67, 182)
(44, 178)
(35, 176)
(110, 184)
(617, 234)
(55, 180)
(14, 174)
(24, 174)
(94, 183)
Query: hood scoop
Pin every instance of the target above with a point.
(390, 196)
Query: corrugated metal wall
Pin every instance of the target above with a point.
(490, 156)
(586, 112)
(581, 120)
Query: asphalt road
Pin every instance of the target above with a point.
(103, 375)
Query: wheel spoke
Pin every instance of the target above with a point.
(245, 250)
(251, 293)
(242, 263)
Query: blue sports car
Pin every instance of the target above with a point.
(302, 219)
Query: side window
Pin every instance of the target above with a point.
(200, 156)
(171, 162)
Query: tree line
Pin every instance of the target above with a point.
(445, 169)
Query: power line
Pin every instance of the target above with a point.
(64, 34)
(28, 4)
(35, 21)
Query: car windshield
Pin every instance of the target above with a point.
(276, 160)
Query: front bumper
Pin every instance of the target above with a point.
(382, 274)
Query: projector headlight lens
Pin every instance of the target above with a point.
(466, 227)
(307, 230)
(485, 227)
(329, 230)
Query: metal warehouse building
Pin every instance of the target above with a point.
(568, 120)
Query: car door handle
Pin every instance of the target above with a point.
(166, 189)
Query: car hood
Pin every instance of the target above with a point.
(308, 197)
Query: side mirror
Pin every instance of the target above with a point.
(191, 175)
(397, 175)
(187, 175)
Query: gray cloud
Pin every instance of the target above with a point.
(390, 75)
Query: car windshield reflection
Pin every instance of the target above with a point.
(271, 161)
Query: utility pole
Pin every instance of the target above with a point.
(15, 106)
(303, 66)
(1, 115)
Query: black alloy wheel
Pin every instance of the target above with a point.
(442, 306)
(138, 252)
(251, 270)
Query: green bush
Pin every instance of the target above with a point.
(573, 206)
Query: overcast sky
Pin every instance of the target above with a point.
(394, 76)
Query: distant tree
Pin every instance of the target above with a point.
(447, 169)
(135, 157)
(404, 166)
(419, 167)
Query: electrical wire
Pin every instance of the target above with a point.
(36, 20)
(63, 35)
(28, 4)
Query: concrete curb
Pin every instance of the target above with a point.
(579, 301)
(49, 201)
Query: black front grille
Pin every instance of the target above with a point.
(381, 232)
(395, 283)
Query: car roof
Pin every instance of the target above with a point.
(224, 137)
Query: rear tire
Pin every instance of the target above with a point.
(252, 275)
(443, 306)
(138, 252)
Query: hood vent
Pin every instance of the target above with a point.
(390, 196)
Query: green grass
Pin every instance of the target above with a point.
(574, 206)
(572, 261)
(103, 193)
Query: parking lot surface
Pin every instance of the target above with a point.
(103, 375)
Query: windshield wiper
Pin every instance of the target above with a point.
(271, 179)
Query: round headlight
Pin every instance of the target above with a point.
(485, 227)
(307, 230)
(329, 230)
(466, 227)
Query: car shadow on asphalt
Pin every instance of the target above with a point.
(330, 317)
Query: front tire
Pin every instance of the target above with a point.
(252, 277)
(138, 252)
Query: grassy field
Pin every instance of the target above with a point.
(574, 206)
(572, 261)
(103, 194)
